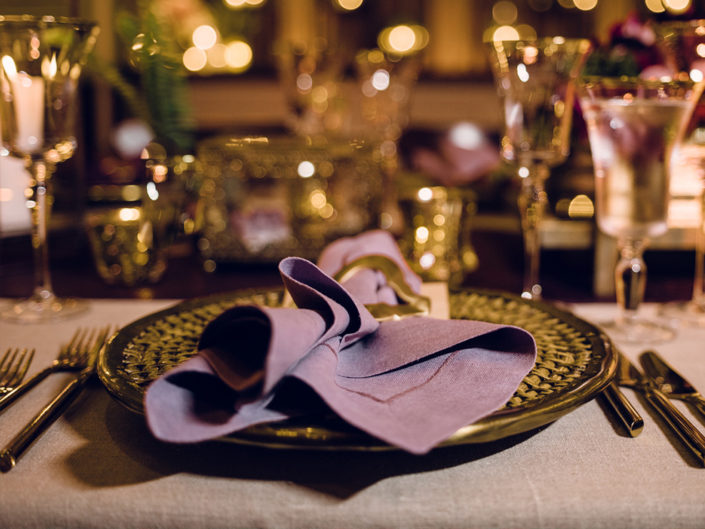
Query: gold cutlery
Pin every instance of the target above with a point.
(52, 411)
(628, 375)
(624, 409)
(71, 357)
(13, 369)
(670, 382)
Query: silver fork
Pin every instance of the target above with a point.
(13, 369)
(73, 356)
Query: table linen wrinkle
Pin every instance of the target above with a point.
(101, 460)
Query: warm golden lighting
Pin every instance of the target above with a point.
(159, 173)
(677, 6)
(348, 5)
(238, 4)
(585, 5)
(505, 33)
(581, 207)
(306, 169)
(402, 38)
(380, 80)
(421, 235)
(526, 32)
(655, 6)
(318, 199)
(700, 50)
(194, 59)
(504, 12)
(238, 55)
(696, 75)
(216, 56)
(425, 194)
(128, 214)
(427, 260)
(204, 37)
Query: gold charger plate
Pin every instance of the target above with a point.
(575, 362)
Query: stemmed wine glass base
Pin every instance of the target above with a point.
(40, 310)
(689, 313)
(637, 330)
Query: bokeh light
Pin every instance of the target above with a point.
(194, 59)
(238, 55)
(402, 39)
(239, 4)
(677, 6)
(204, 37)
(504, 12)
(655, 6)
(585, 5)
(348, 5)
(505, 33)
(306, 169)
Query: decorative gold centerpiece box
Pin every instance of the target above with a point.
(264, 198)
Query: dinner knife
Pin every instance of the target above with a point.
(670, 382)
(628, 375)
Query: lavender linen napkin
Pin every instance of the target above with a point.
(411, 383)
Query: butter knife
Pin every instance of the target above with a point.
(628, 375)
(670, 382)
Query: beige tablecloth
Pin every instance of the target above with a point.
(99, 467)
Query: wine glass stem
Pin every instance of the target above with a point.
(40, 172)
(630, 278)
(532, 204)
(698, 295)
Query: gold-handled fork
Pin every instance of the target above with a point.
(52, 411)
(14, 368)
(72, 357)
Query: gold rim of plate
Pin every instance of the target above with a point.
(575, 362)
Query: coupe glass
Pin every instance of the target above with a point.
(536, 82)
(633, 126)
(40, 64)
(683, 43)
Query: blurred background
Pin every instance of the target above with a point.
(186, 75)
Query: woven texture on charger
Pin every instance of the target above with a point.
(565, 358)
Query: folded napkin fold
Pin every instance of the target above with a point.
(411, 382)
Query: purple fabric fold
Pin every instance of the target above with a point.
(411, 383)
(368, 286)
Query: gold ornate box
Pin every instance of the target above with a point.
(265, 198)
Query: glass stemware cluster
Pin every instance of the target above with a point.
(40, 65)
(633, 126)
(536, 82)
(683, 45)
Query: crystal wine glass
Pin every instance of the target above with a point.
(633, 125)
(683, 44)
(536, 81)
(40, 64)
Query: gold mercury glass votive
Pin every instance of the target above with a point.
(436, 235)
(131, 227)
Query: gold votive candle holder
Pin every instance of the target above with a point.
(436, 233)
